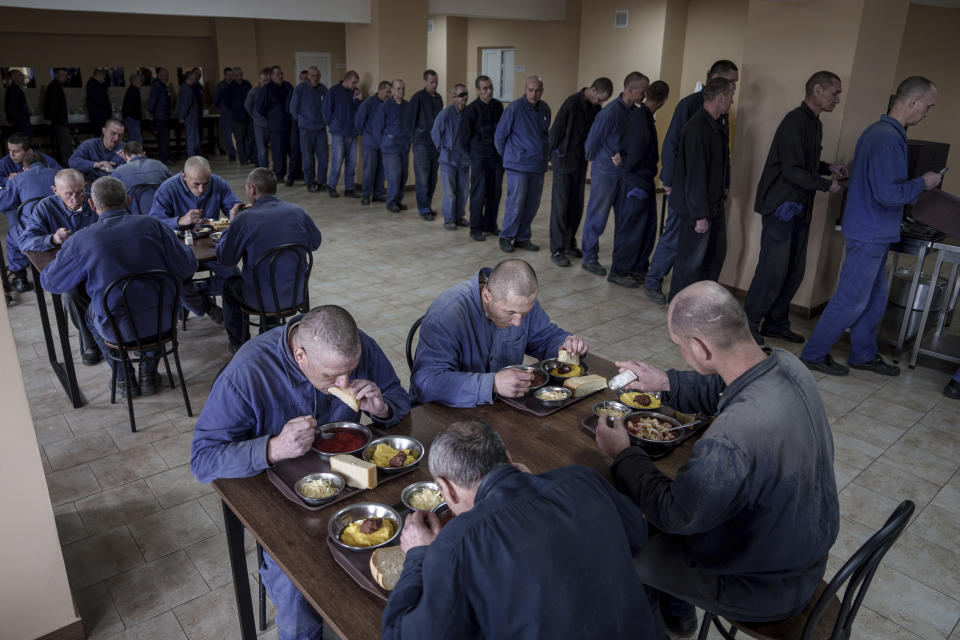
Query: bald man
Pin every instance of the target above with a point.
(476, 328)
(265, 406)
(747, 523)
(391, 127)
(523, 139)
(99, 156)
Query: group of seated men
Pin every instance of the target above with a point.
(743, 530)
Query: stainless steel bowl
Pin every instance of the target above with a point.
(535, 369)
(553, 363)
(351, 426)
(397, 442)
(411, 489)
(361, 511)
(216, 235)
(443, 512)
(552, 403)
(673, 422)
(337, 480)
(612, 405)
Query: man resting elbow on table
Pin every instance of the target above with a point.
(264, 408)
(748, 521)
(475, 329)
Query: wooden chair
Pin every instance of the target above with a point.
(265, 269)
(410, 335)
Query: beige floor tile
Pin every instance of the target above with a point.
(71, 484)
(944, 420)
(118, 506)
(95, 607)
(851, 537)
(859, 426)
(176, 486)
(937, 525)
(930, 563)
(844, 474)
(897, 484)
(52, 429)
(933, 440)
(865, 506)
(948, 499)
(910, 604)
(213, 506)
(850, 388)
(211, 559)
(127, 466)
(80, 449)
(891, 413)
(920, 462)
(853, 451)
(155, 587)
(870, 625)
(175, 450)
(214, 615)
(101, 556)
(836, 405)
(173, 529)
(150, 428)
(163, 627)
(69, 525)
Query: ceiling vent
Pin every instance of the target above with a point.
(620, 19)
(429, 26)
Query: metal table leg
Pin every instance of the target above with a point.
(65, 372)
(927, 304)
(905, 320)
(238, 566)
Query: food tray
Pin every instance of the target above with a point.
(531, 405)
(658, 450)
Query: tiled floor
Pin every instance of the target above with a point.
(143, 541)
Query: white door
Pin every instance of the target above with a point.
(498, 64)
(305, 59)
(506, 83)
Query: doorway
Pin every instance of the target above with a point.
(498, 64)
(304, 59)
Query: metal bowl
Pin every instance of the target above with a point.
(552, 403)
(216, 235)
(411, 489)
(443, 512)
(397, 442)
(612, 405)
(338, 481)
(350, 426)
(553, 363)
(361, 511)
(655, 444)
(535, 369)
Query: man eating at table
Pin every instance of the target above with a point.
(476, 328)
(527, 556)
(749, 519)
(265, 406)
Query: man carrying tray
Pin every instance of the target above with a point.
(265, 406)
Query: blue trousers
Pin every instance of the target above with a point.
(15, 258)
(396, 169)
(195, 294)
(649, 237)
(226, 135)
(372, 173)
(279, 145)
(426, 160)
(243, 136)
(313, 149)
(343, 152)
(523, 200)
(260, 137)
(610, 190)
(456, 186)
(147, 365)
(486, 187)
(700, 256)
(666, 251)
(296, 165)
(296, 618)
(133, 129)
(956, 376)
(194, 137)
(162, 128)
(858, 303)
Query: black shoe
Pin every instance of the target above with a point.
(149, 383)
(11, 301)
(394, 208)
(289, 182)
(402, 206)
(784, 334)
(622, 280)
(233, 348)
(656, 295)
(877, 365)
(756, 336)
(526, 244)
(636, 275)
(333, 193)
(91, 357)
(365, 202)
(461, 222)
(952, 390)
(506, 245)
(559, 259)
(495, 232)
(426, 216)
(449, 226)
(122, 386)
(322, 187)
(351, 194)
(574, 253)
(594, 267)
(19, 281)
(680, 626)
(828, 366)
(478, 236)
(379, 199)
(311, 188)
(215, 313)
(433, 213)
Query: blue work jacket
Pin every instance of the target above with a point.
(142, 170)
(306, 105)
(392, 126)
(50, 214)
(446, 137)
(523, 136)
(340, 110)
(611, 133)
(363, 120)
(91, 151)
(173, 199)
(273, 105)
(189, 103)
(99, 108)
(234, 99)
(159, 100)
(35, 182)
(424, 110)
(8, 166)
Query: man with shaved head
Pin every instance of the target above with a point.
(392, 128)
(476, 328)
(747, 523)
(265, 406)
(340, 111)
(99, 156)
(454, 161)
(190, 110)
(306, 107)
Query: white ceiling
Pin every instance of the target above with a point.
(313, 10)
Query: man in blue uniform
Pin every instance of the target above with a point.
(952, 390)
(239, 118)
(273, 104)
(392, 127)
(666, 250)
(306, 106)
(454, 161)
(47, 226)
(617, 144)
(340, 111)
(18, 145)
(475, 329)
(35, 182)
(158, 104)
(97, 157)
(15, 105)
(260, 134)
(132, 109)
(471, 579)
(523, 139)
(657, 94)
(879, 188)
(265, 406)
(119, 244)
(55, 112)
(221, 102)
(99, 108)
(480, 120)
(190, 110)
(267, 224)
(139, 169)
(425, 106)
(373, 180)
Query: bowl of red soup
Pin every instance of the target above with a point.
(341, 437)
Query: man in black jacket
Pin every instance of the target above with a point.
(791, 176)
(480, 120)
(425, 106)
(567, 137)
(15, 105)
(699, 183)
(132, 109)
(99, 109)
(55, 112)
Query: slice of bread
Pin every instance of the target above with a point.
(583, 385)
(345, 396)
(386, 565)
(565, 356)
(358, 473)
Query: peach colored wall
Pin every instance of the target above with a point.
(456, 57)
(437, 54)
(277, 41)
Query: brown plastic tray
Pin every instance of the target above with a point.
(531, 405)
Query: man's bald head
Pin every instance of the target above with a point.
(707, 311)
(328, 330)
(68, 177)
(512, 278)
(68, 185)
(196, 166)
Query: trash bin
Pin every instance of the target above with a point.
(897, 302)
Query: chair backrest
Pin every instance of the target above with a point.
(141, 197)
(23, 210)
(409, 345)
(265, 271)
(131, 323)
(859, 570)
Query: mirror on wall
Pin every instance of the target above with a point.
(7, 72)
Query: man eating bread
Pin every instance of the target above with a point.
(265, 406)
(476, 328)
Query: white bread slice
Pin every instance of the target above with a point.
(345, 396)
(583, 385)
(386, 565)
(358, 473)
(565, 356)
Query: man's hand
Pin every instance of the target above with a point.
(419, 530)
(839, 170)
(512, 383)
(370, 399)
(190, 218)
(235, 209)
(12, 175)
(835, 187)
(702, 226)
(612, 439)
(667, 190)
(616, 159)
(60, 236)
(931, 179)
(357, 94)
(293, 441)
(104, 165)
(575, 345)
(649, 378)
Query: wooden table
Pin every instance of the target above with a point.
(296, 537)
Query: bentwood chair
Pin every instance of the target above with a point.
(152, 338)
(24, 209)
(410, 336)
(141, 197)
(295, 300)
(826, 616)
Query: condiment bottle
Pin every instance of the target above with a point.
(188, 238)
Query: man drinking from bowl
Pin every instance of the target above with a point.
(475, 329)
